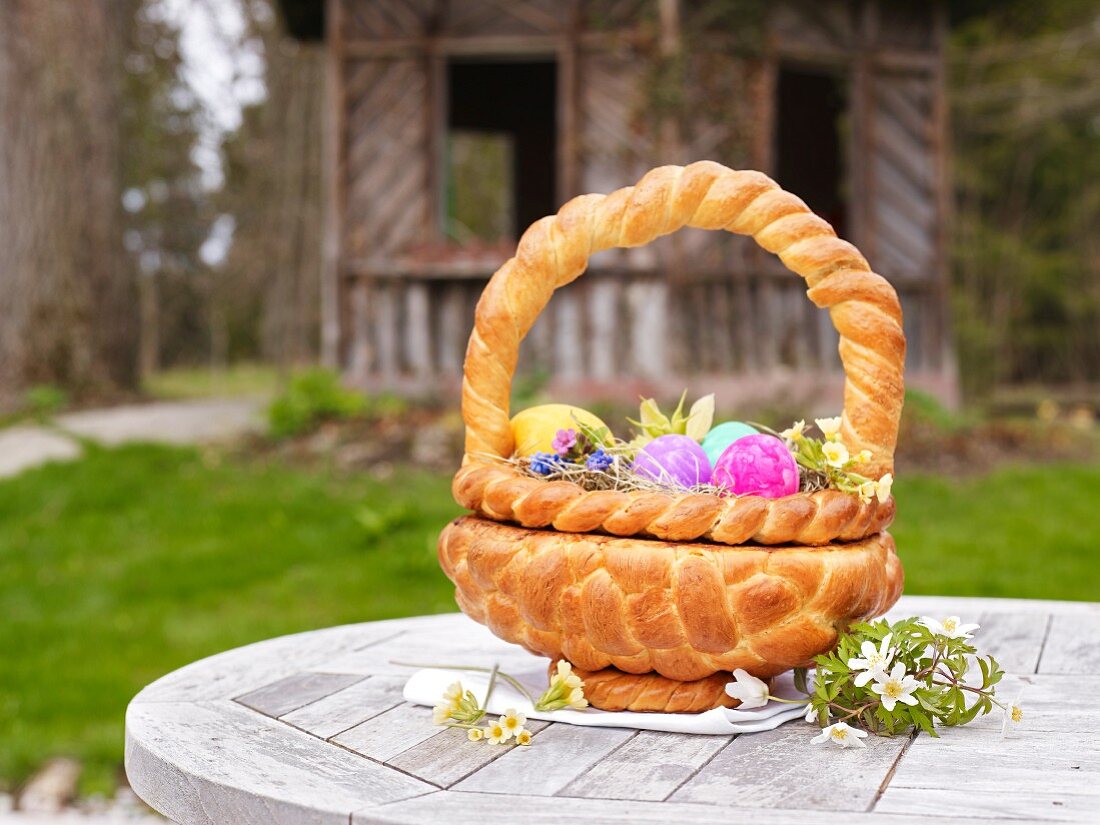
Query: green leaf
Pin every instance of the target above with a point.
(700, 418)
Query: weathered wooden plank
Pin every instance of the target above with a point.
(1014, 640)
(1050, 702)
(386, 328)
(448, 757)
(1027, 761)
(648, 302)
(648, 767)
(349, 707)
(223, 676)
(294, 691)
(782, 769)
(453, 329)
(968, 608)
(603, 300)
(453, 640)
(386, 735)
(568, 336)
(1073, 645)
(564, 752)
(418, 329)
(212, 762)
(1002, 804)
(460, 808)
(360, 353)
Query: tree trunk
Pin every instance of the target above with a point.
(68, 312)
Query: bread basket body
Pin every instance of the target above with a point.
(675, 583)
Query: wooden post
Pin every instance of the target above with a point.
(943, 350)
(335, 173)
(568, 106)
(861, 150)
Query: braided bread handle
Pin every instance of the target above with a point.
(863, 306)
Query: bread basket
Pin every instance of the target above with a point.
(671, 588)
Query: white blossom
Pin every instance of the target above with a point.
(794, 432)
(951, 627)
(830, 427)
(895, 686)
(811, 713)
(752, 692)
(883, 486)
(497, 733)
(1013, 715)
(843, 735)
(836, 454)
(874, 660)
(512, 721)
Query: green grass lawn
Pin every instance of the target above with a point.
(130, 563)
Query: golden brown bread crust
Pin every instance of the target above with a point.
(686, 611)
(503, 493)
(611, 689)
(555, 251)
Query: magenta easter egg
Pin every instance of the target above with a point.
(673, 459)
(758, 465)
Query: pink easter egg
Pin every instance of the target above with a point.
(758, 465)
(673, 459)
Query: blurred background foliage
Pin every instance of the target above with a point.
(1025, 87)
(215, 230)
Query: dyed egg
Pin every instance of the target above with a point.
(757, 465)
(673, 459)
(534, 429)
(720, 437)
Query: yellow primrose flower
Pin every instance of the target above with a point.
(794, 432)
(566, 690)
(577, 700)
(882, 489)
(836, 454)
(867, 491)
(566, 674)
(496, 733)
(830, 427)
(475, 734)
(512, 721)
(864, 456)
(523, 737)
(453, 694)
(441, 714)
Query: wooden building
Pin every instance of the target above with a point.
(455, 123)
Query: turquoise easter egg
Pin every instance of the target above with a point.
(720, 437)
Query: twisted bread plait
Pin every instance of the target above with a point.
(686, 611)
(503, 493)
(864, 308)
(611, 689)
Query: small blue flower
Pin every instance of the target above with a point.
(545, 463)
(599, 461)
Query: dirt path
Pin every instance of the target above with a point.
(167, 422)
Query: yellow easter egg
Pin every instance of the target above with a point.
(534, 429)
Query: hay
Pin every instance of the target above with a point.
(620, 477)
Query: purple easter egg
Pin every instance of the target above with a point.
(759, 465)
(673, 459)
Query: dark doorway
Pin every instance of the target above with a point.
(502, 147)
(810, 159)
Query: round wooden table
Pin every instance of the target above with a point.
(312, 729)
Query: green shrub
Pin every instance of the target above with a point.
(923, 408)
(44, 401)
(311, 398)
